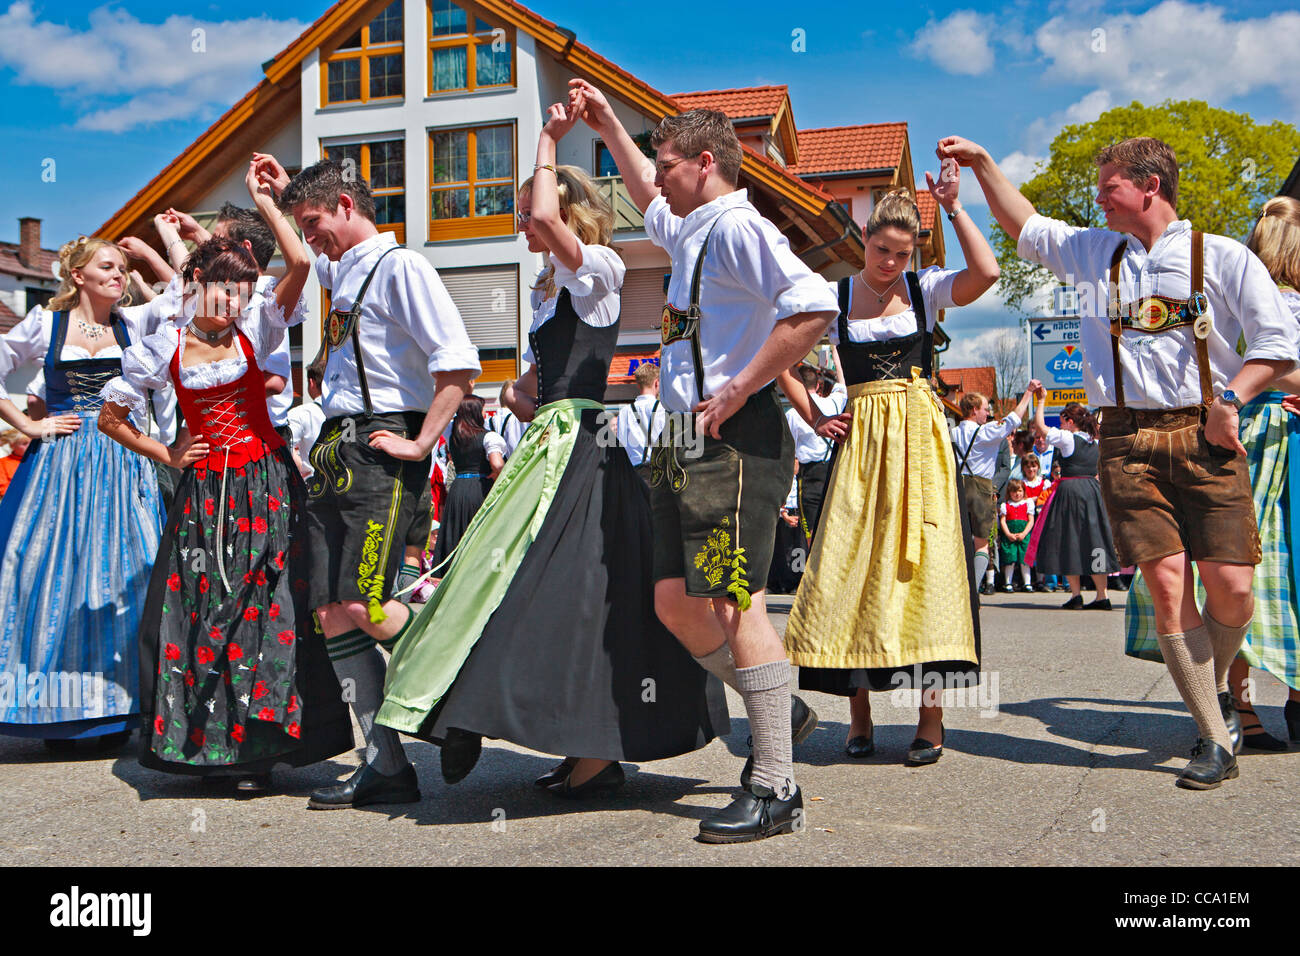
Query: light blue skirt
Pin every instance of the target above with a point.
(79, 531)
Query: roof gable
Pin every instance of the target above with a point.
(843, 149)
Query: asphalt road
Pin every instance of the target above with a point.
(1071, 762)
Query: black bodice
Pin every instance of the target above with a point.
(891, 358)
(572, 357)
(471, 460)
(1083, 462)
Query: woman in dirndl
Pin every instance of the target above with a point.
(1072, 534)
(1270, 430)
(478, 455)
(79, 524)
(543, 630)
(233, 677)
(875, 609)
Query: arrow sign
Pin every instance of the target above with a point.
(1040, 330)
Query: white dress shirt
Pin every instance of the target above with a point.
(751, 281)
(305, 423)
(982, 461)
(810, 447)
(410, 330)
(632, 420)
(1160, 370)
(936, 290)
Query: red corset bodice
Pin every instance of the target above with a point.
(231, 418)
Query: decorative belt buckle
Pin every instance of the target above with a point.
(675, 325)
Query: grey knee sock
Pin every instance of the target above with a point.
(981, 565)
(1227, 642)
(1190, 659)
(721, 665)
(360, 668)
(405, 578)
(766, 690)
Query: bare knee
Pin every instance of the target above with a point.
(357, 612)
(671, 603)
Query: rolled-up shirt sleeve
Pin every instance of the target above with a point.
(423, 305)
(661, 225)
(26, 342)
(1061, 440)
(998, 430)
(761, 259)
(146, 366)
(1269, 328)
(1071, 253)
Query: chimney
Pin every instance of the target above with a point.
(29, 240)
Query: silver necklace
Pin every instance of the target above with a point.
(91, 330)
(212, 338)
(880, 296)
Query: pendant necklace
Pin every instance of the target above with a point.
(880, 296)
(212, 338)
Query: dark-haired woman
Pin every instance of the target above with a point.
(1072, 535)
(79, 525)
(233, 676)
(478, 456)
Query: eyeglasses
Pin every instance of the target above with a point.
(524, 218)
(662, 168)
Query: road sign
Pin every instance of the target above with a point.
(1056, 359)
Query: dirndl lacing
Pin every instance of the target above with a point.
(225, 420)
(86, 385)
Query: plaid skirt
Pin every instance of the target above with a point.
(1272, 438)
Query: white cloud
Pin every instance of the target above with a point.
(1175, 50)
(966, 351)
(121, 73)
(959, 43)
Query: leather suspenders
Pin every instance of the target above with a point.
(339, 326)
(1200, 330)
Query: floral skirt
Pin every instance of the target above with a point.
(232, 672)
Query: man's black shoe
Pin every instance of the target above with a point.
(803, 721)
(1228, 707)
(755, 814)
(1210, 766)
(460, 752)
(368, 786)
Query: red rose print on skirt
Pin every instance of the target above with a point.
(285, 637)
(196, 735)
(234, 652)
(259, 525)
(237, 733)
(172, 652)
(158, 726)
(203, 584)
(260, 690)
(293, 730)
(266, 713)
(209, 506)
(205, 655)
(242, 524)
(174, 582)
(250, 614)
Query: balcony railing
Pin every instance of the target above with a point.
(627, 218)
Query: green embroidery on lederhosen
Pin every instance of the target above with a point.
(328, 468)
(718, 558)
(664, 465)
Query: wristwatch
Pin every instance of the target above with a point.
(1229, 397)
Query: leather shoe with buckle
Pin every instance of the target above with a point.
(460, 752)
(1210, 766)
(1228, 707)
(755, 814)
(368, 786)
(607, 781)
(803, 721)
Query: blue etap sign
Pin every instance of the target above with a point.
(1066, 366)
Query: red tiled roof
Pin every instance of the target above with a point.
(743, 103)
(928, 208)
(11, 265)
(8, 318)
(836, 149)
(980, 379)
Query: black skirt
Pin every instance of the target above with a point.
(236, 680)
(1075, 538)
(574, 660)
(464, 498)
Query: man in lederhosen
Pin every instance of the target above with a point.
(1162, 307)
(399, 363)
(741, 309)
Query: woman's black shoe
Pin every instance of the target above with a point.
(755, 814)
(1255, 737)
(922, 752)
(1291, 714)
(1101, 604)
(460, 752)
(861, 746)
(1209, 767)
(556, 774)
(607, 781)
(253, 785)
(1074, 604)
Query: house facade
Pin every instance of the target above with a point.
(26, 280)
(438, 104)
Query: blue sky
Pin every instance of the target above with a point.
(112, 92)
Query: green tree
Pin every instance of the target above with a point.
(1228, 166)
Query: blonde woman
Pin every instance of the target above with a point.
(877, 607)
(79, 525)
(1271, 437)
(543, 630)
